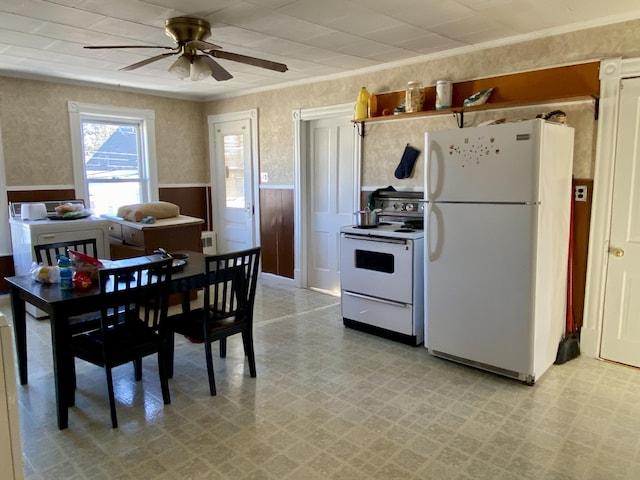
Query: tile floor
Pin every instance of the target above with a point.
(331, 403)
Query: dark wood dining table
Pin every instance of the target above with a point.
(61, 304)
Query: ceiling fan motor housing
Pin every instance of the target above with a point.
(186, 29)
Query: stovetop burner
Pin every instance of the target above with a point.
(381, 224)
(384, 229)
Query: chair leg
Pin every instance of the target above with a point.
(212, 379)
(164, 380)
(112, 398)
(247, 340)
(137, 366)
(223, 347)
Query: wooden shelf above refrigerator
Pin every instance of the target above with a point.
(567, 83)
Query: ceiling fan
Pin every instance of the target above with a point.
(196, 61)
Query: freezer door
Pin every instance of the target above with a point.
(496, 163)
(480, 277)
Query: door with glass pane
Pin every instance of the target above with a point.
(232, 183)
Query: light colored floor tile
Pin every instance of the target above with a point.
(330, 403)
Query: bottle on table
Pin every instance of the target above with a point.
(66, 273)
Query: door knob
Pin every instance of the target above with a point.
(618, 252)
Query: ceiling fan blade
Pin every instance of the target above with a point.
(257, 62)
(217, 71)
(202, 45)
(98, 47)
(147, 61)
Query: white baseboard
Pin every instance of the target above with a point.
(273, 279)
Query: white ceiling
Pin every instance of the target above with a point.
(315, 38)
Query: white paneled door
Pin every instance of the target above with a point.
(232, 182)
(331, 186)
(621, 324)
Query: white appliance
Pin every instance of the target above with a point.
(27, 233)
(10, 443)
(381, 272)
(497, 222)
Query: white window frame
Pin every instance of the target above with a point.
(146, 118)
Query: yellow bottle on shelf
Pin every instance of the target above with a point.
(362, 104)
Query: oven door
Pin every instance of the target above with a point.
(376, 266)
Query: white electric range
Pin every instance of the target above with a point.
(382, 271)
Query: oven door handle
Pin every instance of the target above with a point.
(367, 238)
(374, 299)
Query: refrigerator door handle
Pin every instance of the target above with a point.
(434, 231)
(427, 177)
(432, 191)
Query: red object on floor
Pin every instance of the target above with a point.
(570, 324)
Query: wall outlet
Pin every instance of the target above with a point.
(580, 193)
(264, 177)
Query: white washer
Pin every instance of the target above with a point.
(27, 233)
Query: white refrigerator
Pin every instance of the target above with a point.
(496, 245)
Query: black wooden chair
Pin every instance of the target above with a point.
(133, 312)
(46, 253)
(229, 296)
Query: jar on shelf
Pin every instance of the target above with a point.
(443, 94)
(414, 99)
(373, 105)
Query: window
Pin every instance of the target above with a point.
(234, 168)
(113, 156)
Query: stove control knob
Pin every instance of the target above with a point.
(396, 206)
(409, 207)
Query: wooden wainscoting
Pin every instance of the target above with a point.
(41, 195)
(6, 270)
(276, 231)
(191, 200)
(581, 222)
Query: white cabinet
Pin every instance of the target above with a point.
(27, 233)
(10, 444)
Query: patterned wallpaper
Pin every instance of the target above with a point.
(37, 141)
(35, 124)
(383, 146)
(384, 142)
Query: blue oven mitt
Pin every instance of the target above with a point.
(408, 160)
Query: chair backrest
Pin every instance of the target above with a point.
(46, 253)
(232, 278)
(136, 292)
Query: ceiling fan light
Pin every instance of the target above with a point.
(199, 69)
(181, 68)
